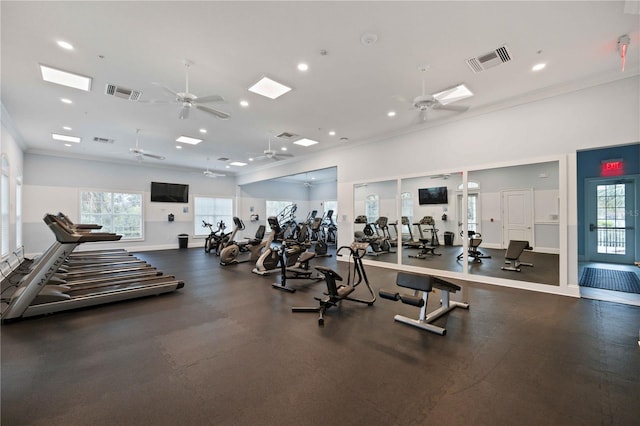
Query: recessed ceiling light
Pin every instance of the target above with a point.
(391, 114)
(65, 45)
(203, 130)
(67, 128)
(305, 142)
(178, 146)
(303, 67)
(538, 67)
(66, 101)
(332, 133)
(237, 163)
(65, 78)
(190, 141)
(65, 138)
(284, 148)
(250, 159)
(269, 88)
(68, 145)
(227, 167)
(453, 94)
(244, 103)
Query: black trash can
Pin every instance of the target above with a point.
(448, 238)
(183, 240)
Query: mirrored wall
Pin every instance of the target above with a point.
(375, 219)
(509, 220)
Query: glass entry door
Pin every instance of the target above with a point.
(610, 222)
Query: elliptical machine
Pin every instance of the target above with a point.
(229, 255)
(269, 259)
(319, 237)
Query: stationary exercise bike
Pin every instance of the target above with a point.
(319, 238)
(229, 255)
(214, 237)
(268, 261)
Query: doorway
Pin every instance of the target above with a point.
(608, 220)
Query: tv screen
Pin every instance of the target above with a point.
(169, 192)
(436, 195)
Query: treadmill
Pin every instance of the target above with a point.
(33, 296)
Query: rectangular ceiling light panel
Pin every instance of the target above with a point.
(190, 141)
(238, 163)
(65, 78)
(305, 142)
(453, 94)
(65, 138)
(269, 88)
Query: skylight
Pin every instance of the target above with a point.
(305, 142)
(65, 78)
(453, 94)
(269, 88)
(65, 138)
(190, 141)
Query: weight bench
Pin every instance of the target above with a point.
(512, 256)
(425, 284)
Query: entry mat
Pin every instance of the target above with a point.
(610, 279)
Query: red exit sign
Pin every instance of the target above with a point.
(612, 168)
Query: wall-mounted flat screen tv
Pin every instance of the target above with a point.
(169, 192)
(436, 195)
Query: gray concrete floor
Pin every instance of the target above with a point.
(227, 350)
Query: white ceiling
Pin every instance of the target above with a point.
(232, 44)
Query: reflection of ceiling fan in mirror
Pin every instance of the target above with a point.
(211, 174)
(440, 100)
(141, 153)
(188, 100)
(270, 154)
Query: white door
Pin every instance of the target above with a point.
(517, 216)
(610, 234)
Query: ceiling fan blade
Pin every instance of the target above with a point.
(207, 99)
(157, 157)
(219, 114)
(166, 89)
(457, 108)
(281, 154)
(184, 113)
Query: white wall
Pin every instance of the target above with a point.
(10, 146)
(52, 184)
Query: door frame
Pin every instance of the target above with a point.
(531, 223)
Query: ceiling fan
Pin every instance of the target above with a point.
(188, 100)
(270, 154)
(211, 174)
(425, 102)
(140, 153)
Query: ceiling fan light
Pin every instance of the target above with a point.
(187, 139)
(453, 94)
(269, 88)
(65, 78)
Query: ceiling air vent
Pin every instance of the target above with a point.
(102, 140)
(122, 92)
(489, 60)
(286, 135)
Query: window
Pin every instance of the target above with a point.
(211, 210)
(19, 212)
(372, 207)
(473, 212)
(117, 212)
(4, 195)
(407, 205)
